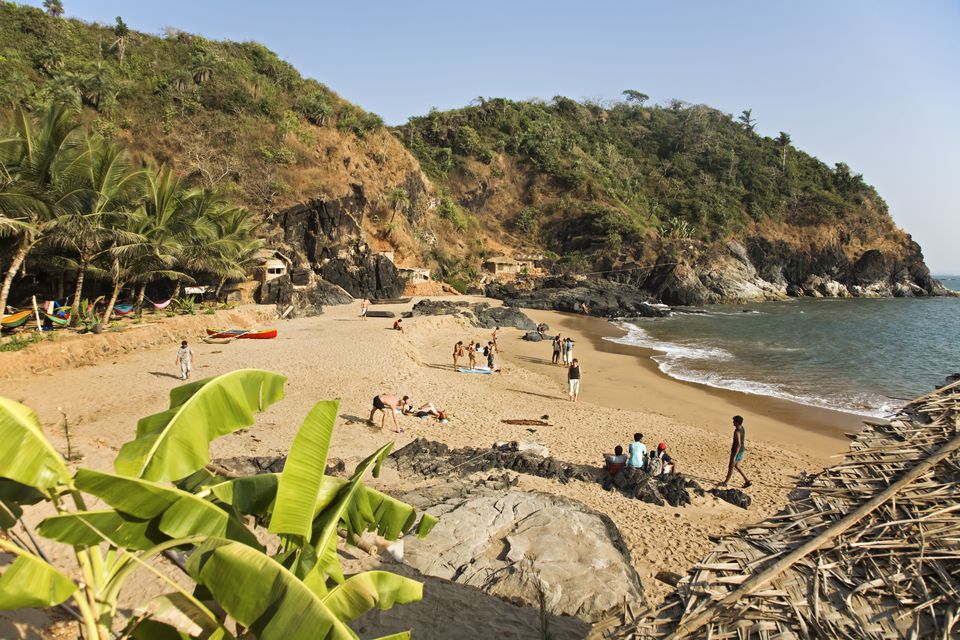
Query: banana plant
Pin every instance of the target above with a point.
(161, 499)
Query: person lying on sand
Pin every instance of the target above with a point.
(429, 410)
(387, 402)
(736, 453)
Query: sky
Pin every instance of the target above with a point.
(875, 84)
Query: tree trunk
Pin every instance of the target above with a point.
(176, 292)
(141, 294)
(78, 291)
(216, 294)
(12, 270)
(117, 286)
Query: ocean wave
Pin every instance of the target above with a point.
(637, 337)
(678, 362)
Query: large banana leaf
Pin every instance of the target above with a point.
(172, 444)
(178, 514)
(364, 591)
(31, 582)
(13, 496)
(35, 462)
(252, 495)
(90, 528)
(302, 473)
(262, 595)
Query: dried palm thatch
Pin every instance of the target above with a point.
(869, 548)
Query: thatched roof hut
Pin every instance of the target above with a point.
(869, 548)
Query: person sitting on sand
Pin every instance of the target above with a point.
(613, 464)
(661, 463)
(736, 453)
(185, 360)
(472, 355)
(387, 402)
(557, 344)
(638, 452)
(397, 325)
(457, 353)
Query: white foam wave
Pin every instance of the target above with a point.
(675, 363)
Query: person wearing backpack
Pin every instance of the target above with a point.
(660, 462)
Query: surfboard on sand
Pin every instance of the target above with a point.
(476, 370)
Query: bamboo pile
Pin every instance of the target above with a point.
(869, 548)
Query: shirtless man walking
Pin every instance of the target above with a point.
(386, 402)
(736, 452)
(363, 308)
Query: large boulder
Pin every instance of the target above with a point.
(480, 314)
(514, 544)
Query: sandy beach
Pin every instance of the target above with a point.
(338, 355)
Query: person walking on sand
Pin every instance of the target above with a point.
(363, 308)
(568, 352)
(457, 353)
(185, 360)
(737, 450)
(573, 380)
(494, 342)
(557, 344)
(387, 402)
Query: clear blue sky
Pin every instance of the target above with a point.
(875, 84)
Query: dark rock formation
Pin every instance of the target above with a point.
(432, 459)
(604, 298)
(480, 314)
(242, 466)
(330, 263)
(532, 336)
(733, 496)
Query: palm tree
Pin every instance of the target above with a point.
(53, 7)
(784, 141)
(400, 200)
(109, 187)
(234, 251)
(33, 157)
(121, 30)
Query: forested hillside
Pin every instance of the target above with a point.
(684, 201)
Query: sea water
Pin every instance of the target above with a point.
(865, 356)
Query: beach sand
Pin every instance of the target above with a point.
(338, 355)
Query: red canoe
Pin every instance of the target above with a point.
(243, 334)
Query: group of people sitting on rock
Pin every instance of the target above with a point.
(389, 403)
(474, 348)
(656, 462)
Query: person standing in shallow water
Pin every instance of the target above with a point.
(737, 450)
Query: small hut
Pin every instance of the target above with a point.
(504, 265)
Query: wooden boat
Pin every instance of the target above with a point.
(57, 321)
(390, 301)
(15, 320)
(243, 334)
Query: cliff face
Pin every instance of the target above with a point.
(682, 202)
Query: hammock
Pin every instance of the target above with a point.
(123, 309)
(161, 305)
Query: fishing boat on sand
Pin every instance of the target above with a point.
(15, 320)
(390, 301)
(243, 334)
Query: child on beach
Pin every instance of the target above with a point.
(185, 360)
(397, 326)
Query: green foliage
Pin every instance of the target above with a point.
(451, 211)
(528, 221)
(299, 591)
(622, 172)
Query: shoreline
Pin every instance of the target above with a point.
(624, 385)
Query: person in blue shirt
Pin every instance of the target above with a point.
(638, 452)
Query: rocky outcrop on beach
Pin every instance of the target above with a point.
(517, 545)
(480, 314)
(603, 298)
(434, 459)
(328, 257)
